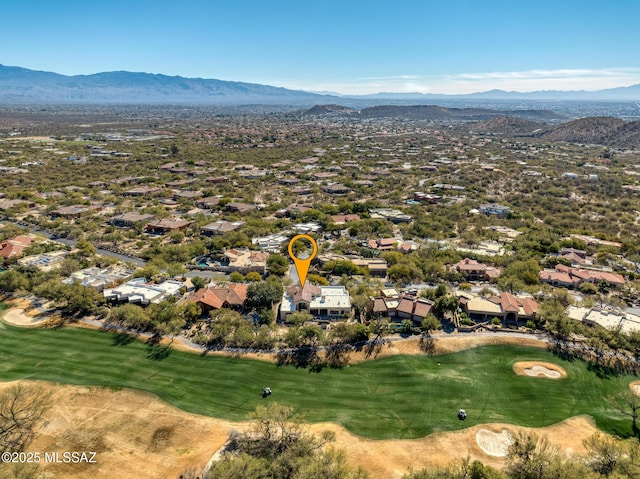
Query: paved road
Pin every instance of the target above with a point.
(71, 242)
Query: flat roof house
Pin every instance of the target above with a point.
(138, 291)
(324, 303)
(494, 209)
(127, 220)
(220, 227)
(167, 225)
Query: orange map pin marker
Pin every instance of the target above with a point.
(302, 265)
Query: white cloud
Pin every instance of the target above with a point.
(531, 80)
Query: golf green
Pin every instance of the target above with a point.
(394, 397)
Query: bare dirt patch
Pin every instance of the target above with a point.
(133, 433)
(138, 435)
(539, 369)
(390, 459)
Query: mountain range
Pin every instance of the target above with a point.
(21, 85)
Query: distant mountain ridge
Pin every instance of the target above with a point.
(21, 85)
(627, 93)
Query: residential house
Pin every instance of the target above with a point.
(413, 308)
(210, 202)
(44, 261)
(428, 198)
(571, 277)
(220, 227)
(217, 179)
(292, 211)
(342, 219)
(472, 270)
(508, 308)
(307, 228)
(398, 307)
(100, 278)
(593, 241)
(138, 291)
(322, 175)
(14, 247)
(167, 225)
(74, 212)
(336, 189)
(231, 295)
(408, 246)
(611, 319)
(6, 204)
(271, 243)
(324, 303)
(578, 257)
(377, 267)
(241, 208)
(393, 215)
(127, 220)
(253, 174)
(142, 191)
(302, 190)
(383, 244)
(494, 209)
(245, 261)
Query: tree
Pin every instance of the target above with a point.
(317, 279)
(81, 299)
(21, 408)
(279, 446)
(176, 269)
(264, 294)
(529, 456)
(253, 277)
(430, 323)
(85, 248)
(198, 282)
(130, 316)
(628, 404)
(604, 453)
(277, 264)
(12, 281)
(446, 304)
(236, 277)
(299, 318)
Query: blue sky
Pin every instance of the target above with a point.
(348, 46)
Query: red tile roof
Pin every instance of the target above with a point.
(14, 246)
(233, 294)
(305, 294)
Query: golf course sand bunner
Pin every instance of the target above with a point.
(539, 369)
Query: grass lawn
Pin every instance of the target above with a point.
(395, 397)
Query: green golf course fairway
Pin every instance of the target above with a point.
(394, 397)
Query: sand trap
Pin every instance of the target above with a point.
(18, 317)
(539, 370)
(494, 443)
(635, 387)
